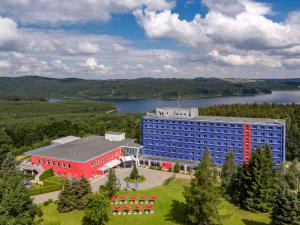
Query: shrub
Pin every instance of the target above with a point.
(176, 168)
(46, 174)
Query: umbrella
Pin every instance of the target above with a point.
(123, 198)
(138, 207)
(117, 208)
(148, 206)
(127, 207)
(127, 185)
(133, 197)
(152, 197)
(114, 198)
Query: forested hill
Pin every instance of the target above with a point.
(37, 87)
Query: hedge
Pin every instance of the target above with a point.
(45, 189)
(46, 174)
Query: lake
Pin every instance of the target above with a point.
(144, 105)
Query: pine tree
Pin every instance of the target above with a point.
(84, 190)
(202, 196)
(97, 210)
(285, 208)
(9, 164)
(67, 200)
(16, 206)
(235, 189)
(134, 173)
(110, 188)
(229, 170)
(258, 181)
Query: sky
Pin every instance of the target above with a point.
(126, 39)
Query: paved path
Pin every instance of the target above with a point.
(153, 178)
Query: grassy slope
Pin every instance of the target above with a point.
(168, 210)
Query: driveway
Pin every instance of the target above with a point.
(153, 178)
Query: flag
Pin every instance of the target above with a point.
(136, 185)
(127, 185)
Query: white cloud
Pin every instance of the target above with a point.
(4, 64)
(248, 60)
(87, 48)
(73, 11)
(92, 64)
(8, 32)
(170, 69)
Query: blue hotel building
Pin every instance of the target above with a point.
(181, 135)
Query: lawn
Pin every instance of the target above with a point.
(168, 210)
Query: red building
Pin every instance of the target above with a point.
(88, 157)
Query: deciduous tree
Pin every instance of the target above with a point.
(97, 210)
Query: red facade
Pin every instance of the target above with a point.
(70, 169)
(247, 142)
(166, 165)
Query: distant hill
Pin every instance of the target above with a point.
(43, 88)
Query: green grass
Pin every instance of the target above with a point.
(168, 210)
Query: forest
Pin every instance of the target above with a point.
(39, 88)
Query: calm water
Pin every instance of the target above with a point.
(144, 105)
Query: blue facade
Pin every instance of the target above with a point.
(187, 138)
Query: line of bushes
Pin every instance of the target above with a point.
(45, 189)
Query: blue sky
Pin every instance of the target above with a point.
(150, 38)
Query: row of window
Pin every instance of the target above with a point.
(162, 138)
(54, 163)
(198, 123)
(163, 132)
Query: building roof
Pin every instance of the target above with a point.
(166, 159)
(224, 119)
(112, 132)
(84, 149)
(65, 140)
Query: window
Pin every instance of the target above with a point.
(58, 164)
(92, 164)
(64, 165)
(69, 166)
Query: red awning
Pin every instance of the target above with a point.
(143, 197)
(123, 198)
